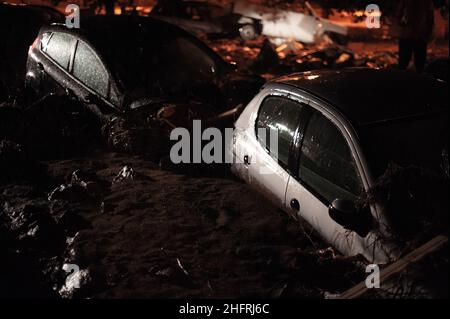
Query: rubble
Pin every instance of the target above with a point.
(284, 24)
(419, 192)
(273, 60)
(33, 226)
(125, 173)
(266, 59)
(135, 137)
(70, 193)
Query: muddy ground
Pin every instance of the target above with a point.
(160, 234)
(137, 228)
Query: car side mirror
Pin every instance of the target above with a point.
(345, 213)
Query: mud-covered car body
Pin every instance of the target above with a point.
(19, 26)
(117, 63)
(338, 131)
(287, 25)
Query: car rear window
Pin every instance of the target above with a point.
(59, 48)
(88, 68)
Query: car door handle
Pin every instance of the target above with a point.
(295, 205)
(246, 160)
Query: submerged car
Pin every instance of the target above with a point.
(114, 64)
(338, 132)
(282, 25)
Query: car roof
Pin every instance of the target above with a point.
(99, 29)
(93, 25)
(115, 37)
(367, 96)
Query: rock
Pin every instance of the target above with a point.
(126, 173)
(34, 227)
(88, 180)
(70, 193)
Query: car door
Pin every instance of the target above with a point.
(326, 171)
(92, 84)
(53, 73)
(268, 156)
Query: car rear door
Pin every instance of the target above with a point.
(53, 73)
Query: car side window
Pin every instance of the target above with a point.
(89, 69)
(326, 162)
(278, 115)
(44, 41)
(58, 47)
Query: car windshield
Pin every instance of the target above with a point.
(420, 140)
(148, 58)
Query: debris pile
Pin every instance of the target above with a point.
(271, 60)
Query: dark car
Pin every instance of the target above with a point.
(343, 134)
(19, 26)
(211, 19)
(118, 63)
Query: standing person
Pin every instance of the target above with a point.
(415, 19)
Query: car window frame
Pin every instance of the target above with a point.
(291, 159)
(111, 81)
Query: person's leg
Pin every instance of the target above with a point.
(420, 55)
(404, 53)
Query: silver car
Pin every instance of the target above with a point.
(337, 132)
